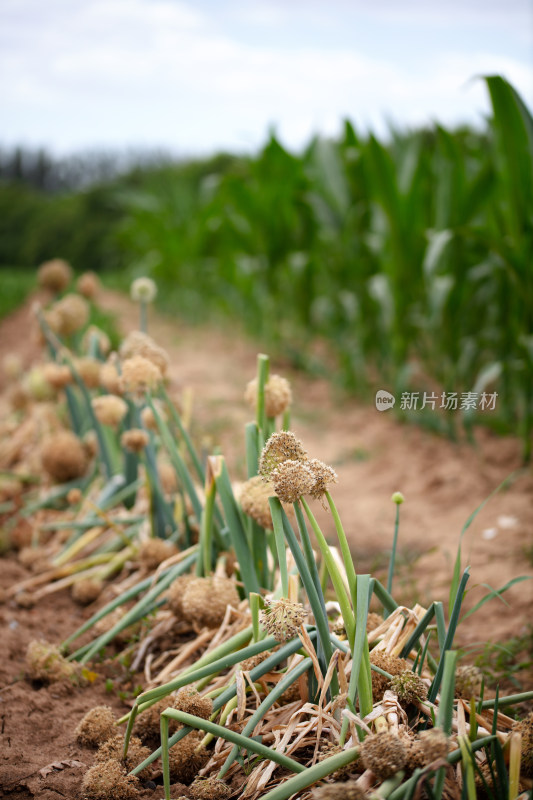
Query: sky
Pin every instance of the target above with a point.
(193, 77)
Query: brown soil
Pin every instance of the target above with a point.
(374, 456)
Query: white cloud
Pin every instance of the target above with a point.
(159, 72)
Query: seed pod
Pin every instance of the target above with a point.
(278, 395)
(409, 687)
(54, 275)
(96, 727)
(109, 781)
(324, 476)
(282, 446)
(254, 501)
(63, 457)
(209, 789)
(185, 760)
(192, 702)
(391, 664)
(205, 600)
(291, 480)
(109, 409)
(283, 619)
(384, 754)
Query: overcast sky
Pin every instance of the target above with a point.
(196, 76)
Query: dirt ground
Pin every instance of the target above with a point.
(374, 455)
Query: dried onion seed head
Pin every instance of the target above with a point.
(167, 477)
(89, 371)
(109, 377)
(134, 440)
(143, 290)
(108, 781)
(57, 375)
(250, 663)
(254, 501)
(192, 702)
(525, 727)
(63, 457)
(148, 723)
(102, 339)
(348, 790)
(109, 409)
(153, 552)
(282, 446)
(343, 774)
(283, 619)
(391, 664)
(185, 761)
(37, 386)
(409, 687)
(468, 680)
(278, 395)
(113, 748)
(12, 366)
(72, 312)
(44, 663)
(54, 275)
(148, 417)
(88, 285)
(373, 621)
(139, 375)
(205, 600)
(96, 727)
(324, 476)
(86, 591)
(384, 754)
(176, 591)
(434, 744)
(291, 480)
(209, 789)
(138, 343)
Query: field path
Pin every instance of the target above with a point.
(374, 456)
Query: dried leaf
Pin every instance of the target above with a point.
(56, 766)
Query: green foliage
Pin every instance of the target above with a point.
(16, 286)
(409, 256)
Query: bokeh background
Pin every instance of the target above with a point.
(341, 178)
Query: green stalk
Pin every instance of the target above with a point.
(361, 676)
(176, 459)
(263, 368)
(336, 579)
(449, 636)
(204, 565)
(235, 523)
(254, 601)
(277, 522)
(184, 435)
(309, 585)
(445, 712)
(392, 561)
(143, 316)
(388, 602)
(510, 700)
(345, 547)
(467, 767)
